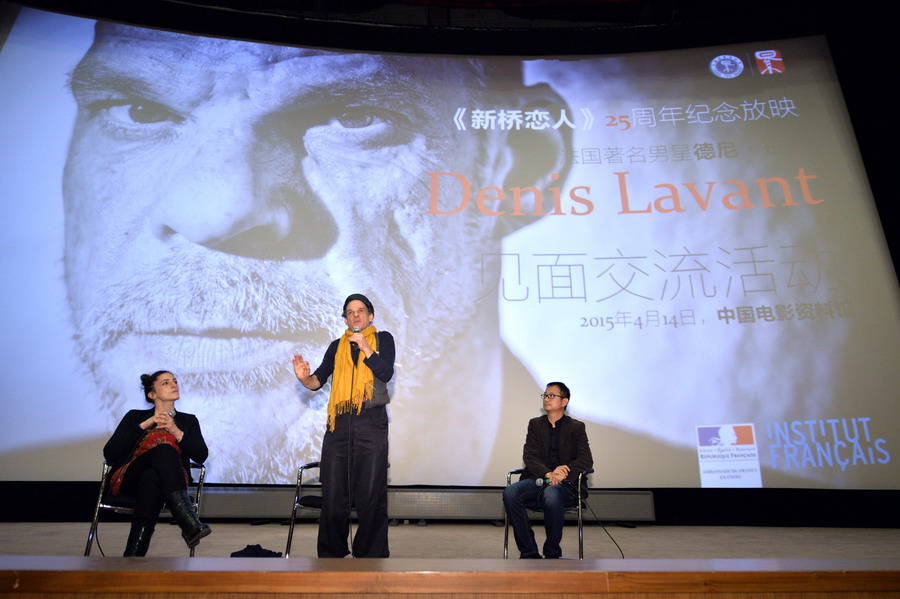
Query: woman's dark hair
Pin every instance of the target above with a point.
(147, 381)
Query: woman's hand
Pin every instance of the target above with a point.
(166, 422)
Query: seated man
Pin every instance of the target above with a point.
(556, 451)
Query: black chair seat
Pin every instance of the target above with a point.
(126, 502)
(119, 501)
(310, 502)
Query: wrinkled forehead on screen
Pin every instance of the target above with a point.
(193, 49)
(117, 45)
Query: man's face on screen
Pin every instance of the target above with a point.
(222, 198)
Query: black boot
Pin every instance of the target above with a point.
(138, 540)
(192, 530)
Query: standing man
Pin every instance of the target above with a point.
(354, 460)
(556, 451)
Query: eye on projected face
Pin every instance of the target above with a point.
(261, 184)
(139, 119)
(134, 113)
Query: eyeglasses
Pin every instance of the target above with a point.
(551, 396)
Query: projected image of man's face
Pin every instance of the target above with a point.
(222, 198)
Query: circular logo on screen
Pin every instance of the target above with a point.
(726, 66)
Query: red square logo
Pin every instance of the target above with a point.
(769, 62)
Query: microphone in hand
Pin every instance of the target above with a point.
(354, 347)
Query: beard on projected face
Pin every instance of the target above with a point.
(230, 335)
(225, 326)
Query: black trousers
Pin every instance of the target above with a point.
(149, 478)
(353, 471)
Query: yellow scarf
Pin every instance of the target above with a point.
(362, 380)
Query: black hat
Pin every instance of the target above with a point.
(360, 297)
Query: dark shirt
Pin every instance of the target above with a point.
(553, 457)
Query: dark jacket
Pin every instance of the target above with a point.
(120, 446)
(574, 449)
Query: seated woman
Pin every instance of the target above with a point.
(149, 455)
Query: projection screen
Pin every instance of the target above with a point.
(686, 238)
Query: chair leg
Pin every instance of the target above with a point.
(580, 529)
(91, 534)
(505, 535)
(287, 548)
(95, 522)
(506, 518)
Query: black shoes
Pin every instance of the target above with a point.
(138, 540)
(192, 530)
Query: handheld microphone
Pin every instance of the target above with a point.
(354, 348)
(541, 481)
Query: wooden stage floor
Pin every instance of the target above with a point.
(97, 577)
(459, 561)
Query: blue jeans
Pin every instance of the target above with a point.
(552, 499)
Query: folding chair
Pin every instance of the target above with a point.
(306, 502)
(124, 504)
(578, 507)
